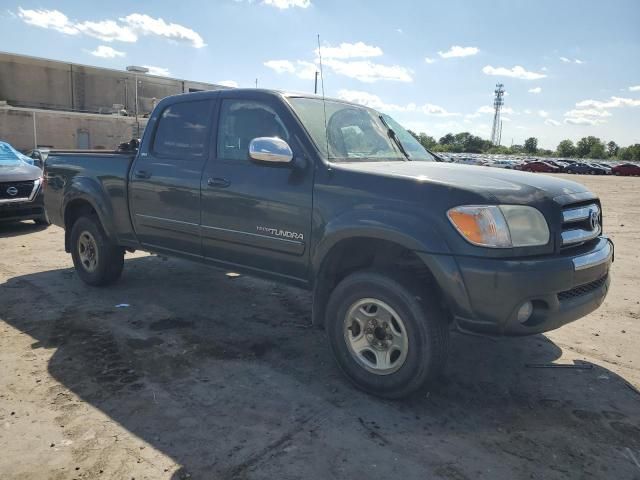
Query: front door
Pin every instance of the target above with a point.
(256, 215)
(164, 188)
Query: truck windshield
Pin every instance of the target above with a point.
(355, 133)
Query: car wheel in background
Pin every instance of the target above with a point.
(97, 260)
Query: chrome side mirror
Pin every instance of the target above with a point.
(270, 149)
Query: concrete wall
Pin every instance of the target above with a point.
(40, 83)
(54, 91)
(64, 129)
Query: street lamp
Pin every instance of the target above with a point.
(136, 70)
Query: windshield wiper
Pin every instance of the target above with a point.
(394, 137)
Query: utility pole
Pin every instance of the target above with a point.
(498, 101)
(256, 83)
(136, 70)
(315, 87)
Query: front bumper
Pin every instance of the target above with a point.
(27, 210)
(562, 289)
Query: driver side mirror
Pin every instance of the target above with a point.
(270, 150)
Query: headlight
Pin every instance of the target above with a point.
(500, 226)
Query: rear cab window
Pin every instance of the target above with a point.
(183, 130)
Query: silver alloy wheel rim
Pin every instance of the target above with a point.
(88, 251)
(376, 336)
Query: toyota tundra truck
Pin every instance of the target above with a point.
(397, 248)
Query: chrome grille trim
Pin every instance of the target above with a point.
(579, 214)
(579, 225)
(32, 195)
(578, 235)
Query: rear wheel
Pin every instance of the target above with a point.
(388, 335)
(98, 261)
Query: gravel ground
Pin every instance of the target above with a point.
(208, 376)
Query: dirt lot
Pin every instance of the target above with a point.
(204, 376)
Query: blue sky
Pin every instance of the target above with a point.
(570, 68)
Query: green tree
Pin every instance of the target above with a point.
(584, 145)
(612, 148)
(427, 141)
(566, 149)
(448, 139)
(531, 145)
(597, 151)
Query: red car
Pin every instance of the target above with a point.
(539, 167)
(626, 169)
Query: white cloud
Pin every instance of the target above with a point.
(489, 109)
(125, 29)
(583, 121)
(284, 4)
(565, 60)
(369, 72)
(159, 71)
(301, 68)
(281, 66)
(527, 111)
(613, 102)
(147, 25)
(458, 51)
(107, 31)
(535, 90)
(228, 83)
(515, 72)
(543, 114)
(350, 50)
(53, 19)
(588, 112)
(429, 60)
(106, 52)
(374, 101)
(634, 88)
(552, 122)
(579, 62)
(544, 69)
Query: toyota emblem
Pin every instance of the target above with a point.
(594, 219)
(13, 191)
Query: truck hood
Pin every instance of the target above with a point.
(494, 184)
(18, 172)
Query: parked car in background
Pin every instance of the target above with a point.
(606, 168)
(555, 163)
(585, 169)
(20, 187)
(508, 164)
(38, 155)
(536, 166)
(627, 169)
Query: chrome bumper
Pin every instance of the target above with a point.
(593, 259)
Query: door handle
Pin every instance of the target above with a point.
(218, 182)
(142, 174)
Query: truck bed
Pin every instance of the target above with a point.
(98, 177)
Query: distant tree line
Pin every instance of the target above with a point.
(586, 147)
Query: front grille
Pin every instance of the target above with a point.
(24, 189)
(582, 289)
(580, 224)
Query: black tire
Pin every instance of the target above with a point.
(109, 258)
(423, 319)
(42, 220)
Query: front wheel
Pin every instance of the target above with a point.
(388, 336)
(98, 261)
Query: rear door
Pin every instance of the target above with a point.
(164, 183)
(257, 215)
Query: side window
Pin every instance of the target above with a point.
(183, 130)
(243, 120)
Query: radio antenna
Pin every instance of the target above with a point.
(324, 104)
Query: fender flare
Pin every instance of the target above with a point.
(89, 190)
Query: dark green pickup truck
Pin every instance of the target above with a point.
(339, 199)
